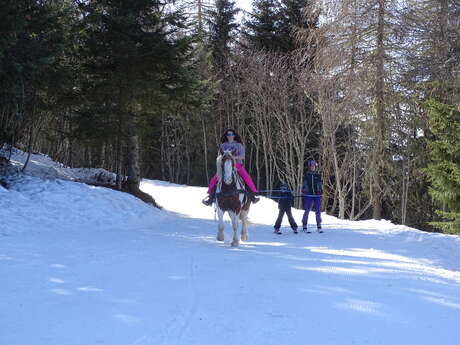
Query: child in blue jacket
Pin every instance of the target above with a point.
(285, 203)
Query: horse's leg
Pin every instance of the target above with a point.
(244, 225)
(235, 225)
(220, 226)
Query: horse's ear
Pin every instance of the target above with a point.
(221, 151)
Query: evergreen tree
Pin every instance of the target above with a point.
(222, 24)
(273, 24)
(444, 169)
(294, 17)
(197, 12)
(134, 62)
(33, 70)
(263, 27)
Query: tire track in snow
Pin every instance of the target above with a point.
(194, 305)
(184, 319)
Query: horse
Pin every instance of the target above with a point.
(231, 197)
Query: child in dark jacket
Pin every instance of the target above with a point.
(312, 190)
(285, 202)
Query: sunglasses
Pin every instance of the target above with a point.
(230, 134)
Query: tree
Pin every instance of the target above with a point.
(33, 74)
(296, 16)
(267, 104)
(197, 14)
(134, 60)
(429, 73)
(273, 25)
(444, 168)
(263, 28)
(434, 32)
(361, 49)
(222, 26)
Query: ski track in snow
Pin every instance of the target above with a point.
(83, 265)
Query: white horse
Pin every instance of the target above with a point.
(232, 198)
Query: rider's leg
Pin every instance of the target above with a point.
(248, 180)
(211, 191)
(245, 176)
(212, 183)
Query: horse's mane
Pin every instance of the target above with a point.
(219, 164)
(219, 167)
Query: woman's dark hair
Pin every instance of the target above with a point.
(224, 139)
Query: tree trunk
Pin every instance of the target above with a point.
(353, 193)
(205, 149)
(134, 173)
(29, 148)
(379, 123)
(133, 162)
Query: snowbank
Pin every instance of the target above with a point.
(43, 166)
(35, 204)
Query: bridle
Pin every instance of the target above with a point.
(229, 176)
(228, 168)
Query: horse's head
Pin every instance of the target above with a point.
(225, 166)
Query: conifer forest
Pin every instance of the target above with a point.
(370, 89)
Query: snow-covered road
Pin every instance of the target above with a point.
(81, 265)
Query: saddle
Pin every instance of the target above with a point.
(240, 187)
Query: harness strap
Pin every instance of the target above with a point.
(240, 185)
(235, 192)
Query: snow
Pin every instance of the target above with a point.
(43, 166)
(85, 265)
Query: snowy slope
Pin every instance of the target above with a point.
(84, 265)
(43, 166)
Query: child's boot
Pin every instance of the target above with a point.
(254, 199)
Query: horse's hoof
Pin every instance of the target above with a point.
(220, 236)
(220, 239)
(244, 238)
(235, 244)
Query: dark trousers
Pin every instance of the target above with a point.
(290, 218)
(308, 200)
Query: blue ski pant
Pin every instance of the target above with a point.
(308, 200)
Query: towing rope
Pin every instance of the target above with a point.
(301, 195)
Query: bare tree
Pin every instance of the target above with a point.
(267, 101)
(356, 53)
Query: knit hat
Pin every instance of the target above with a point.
(312, 162)
(284, 186)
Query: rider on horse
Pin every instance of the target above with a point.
(232, 141)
